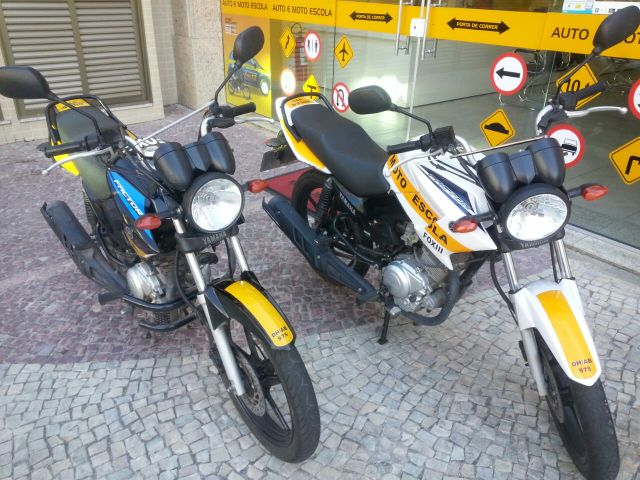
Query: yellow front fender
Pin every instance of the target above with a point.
(269, 318)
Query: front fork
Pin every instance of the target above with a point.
(220, 337)
(528, 337)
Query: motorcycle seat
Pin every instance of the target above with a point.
(344, 147)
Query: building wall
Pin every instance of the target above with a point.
(163, 26)
(13, 129)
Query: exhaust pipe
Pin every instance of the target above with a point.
(314, 247)
(81, 248)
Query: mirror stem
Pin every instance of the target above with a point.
(395, 108)
(587, 59)
(233, 70)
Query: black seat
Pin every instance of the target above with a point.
(344, 147)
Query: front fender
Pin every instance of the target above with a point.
(555, 311)
(262, 310)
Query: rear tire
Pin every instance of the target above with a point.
(305, 195)
(583, 419)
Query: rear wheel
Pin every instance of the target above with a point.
(279, 405)
(304, 199)
(583, 419)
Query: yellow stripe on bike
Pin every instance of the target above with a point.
(263, 311)
(566, 326)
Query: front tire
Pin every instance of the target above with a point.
(279, 406)
(583, 419)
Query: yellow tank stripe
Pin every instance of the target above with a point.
(263, 311)
(421, 207)
(564, 322)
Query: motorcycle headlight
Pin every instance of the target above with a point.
(535, 212)
(213, 202)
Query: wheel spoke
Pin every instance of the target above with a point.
(278, 415)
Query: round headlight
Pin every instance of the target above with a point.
(535, 213)
(213, 202)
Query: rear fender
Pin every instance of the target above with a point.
(555, 311)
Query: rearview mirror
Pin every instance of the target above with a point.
(248, 44)
(615, 28)
(23, 83)
(370, 99)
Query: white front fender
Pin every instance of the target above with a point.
(555, 311)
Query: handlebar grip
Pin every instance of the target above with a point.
(241, 110)
(590, 90)
(65, 148)
(404, 147)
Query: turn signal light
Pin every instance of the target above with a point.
(464, 225)
(257, 186)
(149, 221)
(594, 192)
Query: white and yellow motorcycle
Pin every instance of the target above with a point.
(428, 213)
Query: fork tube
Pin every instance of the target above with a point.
(219, 334)
(528, 338)
(237, 249)
(563, 261)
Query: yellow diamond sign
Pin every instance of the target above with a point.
(311, 85)
(287, 42)
(343, 51)
(583, 78)
(626, 159)
(497, 128)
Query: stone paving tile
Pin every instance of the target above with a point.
(51, 312)
(453, 401)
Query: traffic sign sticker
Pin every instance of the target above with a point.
(497, 128)
(583, 78)
(344, 51)
(311, 85)
(287, 42)
(508, 73)
(288, 81)
(571, 141)
(634, 99)
(626, 159)
(312, 46)
(340, 97)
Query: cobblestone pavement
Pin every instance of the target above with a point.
(85, 393)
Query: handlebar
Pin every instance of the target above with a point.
(70, 147)
(404, 147)
(239, 110)
(71, 158)
(569, 100)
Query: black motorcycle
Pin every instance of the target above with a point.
(158, 211)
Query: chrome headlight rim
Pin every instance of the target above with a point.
(530, 191)
(196, 186)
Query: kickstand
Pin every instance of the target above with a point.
(385, 328)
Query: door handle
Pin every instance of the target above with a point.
(399, 27)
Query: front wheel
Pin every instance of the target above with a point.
(583, 419)
(279, 405)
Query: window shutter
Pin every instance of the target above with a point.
(40, 36)
(80, 46)
(110, 48)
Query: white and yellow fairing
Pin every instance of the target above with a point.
(555, 311)
(299, 148)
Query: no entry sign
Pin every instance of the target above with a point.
(571, 141)
(508, 73)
